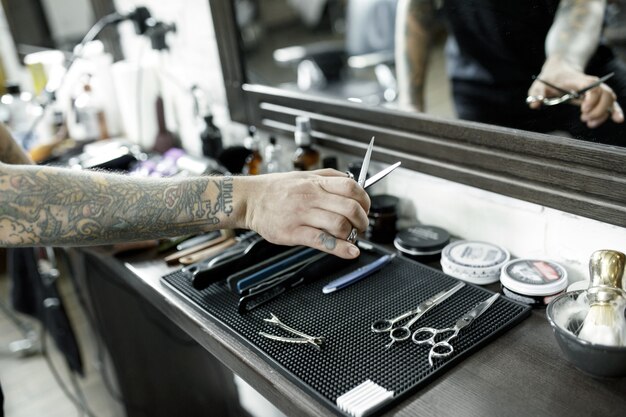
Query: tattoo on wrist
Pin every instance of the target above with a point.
(225, 196)
(329, 242)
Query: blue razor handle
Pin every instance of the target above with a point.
(357, 275)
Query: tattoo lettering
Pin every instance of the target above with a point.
(225, 196)
(329, 242)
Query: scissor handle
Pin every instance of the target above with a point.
(558, 100)
(550, 101)
(400, 333)
(381, 326)
(440, 350)
(425, 335)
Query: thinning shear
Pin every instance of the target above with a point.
(398, 334)
(301, 338)
(443, 348)
(567, 94)
(365, 182)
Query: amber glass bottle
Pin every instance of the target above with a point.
(306, 157)
(254, 161)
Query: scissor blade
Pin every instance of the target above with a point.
(482, 307)
(444, 295)
(366, 163)
(556, 87)
(382, 174)
(594, 85)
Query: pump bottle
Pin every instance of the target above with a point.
(306, 157)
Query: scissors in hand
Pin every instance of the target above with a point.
(443, 348)
(567, 95)
(398, 334)
(366, 182)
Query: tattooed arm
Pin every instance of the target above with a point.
(63, 207)
(414, 23)
(571, 41)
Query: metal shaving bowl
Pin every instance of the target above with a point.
(592, 359)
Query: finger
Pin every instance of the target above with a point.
(329, 172)
(335, 224)
(325, 242)
(602, 106)
(336, 208)
(617, 115)
(536, 90)
(347, 188)
(534, 102)
(590, 102)
(600, 113)
(349, 208)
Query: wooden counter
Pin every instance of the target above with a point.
(522, 372)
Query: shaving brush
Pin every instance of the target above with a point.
(604, 323)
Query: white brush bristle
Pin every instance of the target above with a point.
(603, 325)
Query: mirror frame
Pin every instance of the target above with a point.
(574, 176)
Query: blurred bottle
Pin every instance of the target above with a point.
(210, 134)
(89, 122)
(19, 112)
(254, 161)
(273, 156)
(165, 139)
(211, 138)
(306, 157)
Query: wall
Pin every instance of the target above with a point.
(192, 60)
(68, 19)
(525, 229)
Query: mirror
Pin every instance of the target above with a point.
(321, 48)
(38, 25)
(570, 175)
(344, 49)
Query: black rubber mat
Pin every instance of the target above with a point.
(352, 353)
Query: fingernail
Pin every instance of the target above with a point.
(353, 251)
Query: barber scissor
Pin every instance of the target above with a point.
(365, 182)
(443, 348)
(567, 94)
(398, 334)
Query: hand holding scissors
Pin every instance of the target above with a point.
(398, 334)
(365, 182)
(568, 95)
(443, 348)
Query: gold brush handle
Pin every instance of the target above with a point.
(606, 272)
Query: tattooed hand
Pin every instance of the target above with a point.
(317, 209)
(596, 105)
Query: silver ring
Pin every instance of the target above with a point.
(352, 236)
(350, 175)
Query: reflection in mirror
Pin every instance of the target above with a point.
(344, 49)
(48, 24)
(337, 48)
